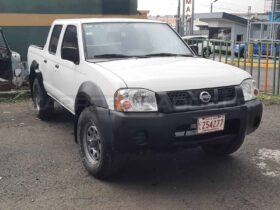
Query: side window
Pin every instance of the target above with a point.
(69, 48)
(54, 38)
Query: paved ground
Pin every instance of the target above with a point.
(40, 168)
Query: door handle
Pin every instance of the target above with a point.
(45, 61)
(57, 66)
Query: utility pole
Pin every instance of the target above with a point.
(184, 18)
(179, 16)
(192, 20)
(248, 23)
(211, 8)
(273, 10)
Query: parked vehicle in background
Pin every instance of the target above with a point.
(130, 89)
(242, 48)
(201, 44)
(8, 58)
(11, 67)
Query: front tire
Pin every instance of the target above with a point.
(98, 157)
(224, 149)
(43, 104)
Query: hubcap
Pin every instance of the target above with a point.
(93, 143)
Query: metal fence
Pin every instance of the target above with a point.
(260, 59)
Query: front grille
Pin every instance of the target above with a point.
(192, 97)
(226, 94)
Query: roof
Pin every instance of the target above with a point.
(221, 15)
(105, 20)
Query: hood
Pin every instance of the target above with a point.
(175, 73)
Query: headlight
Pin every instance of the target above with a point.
(250, 90)
(135, 100)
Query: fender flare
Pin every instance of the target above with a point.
(92, 94)
(89, 94)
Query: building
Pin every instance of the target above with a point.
(267, 29)
(218, 25)
(222, 25)
(27, 22)
(170, 19)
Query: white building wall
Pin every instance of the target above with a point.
(236, 29)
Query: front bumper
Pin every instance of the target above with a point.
(130, 131)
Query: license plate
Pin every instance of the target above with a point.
(210, 124)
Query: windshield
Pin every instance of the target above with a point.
(132, 39)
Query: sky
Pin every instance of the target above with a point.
(169, 7)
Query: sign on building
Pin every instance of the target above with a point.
(189, 7)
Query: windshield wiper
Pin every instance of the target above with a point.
(112, 56)
(140, 56)
(168, 55)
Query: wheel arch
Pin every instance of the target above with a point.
(89, 94)
(34, 73)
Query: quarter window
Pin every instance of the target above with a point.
(54, 38)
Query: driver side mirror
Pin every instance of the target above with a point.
(71, 54)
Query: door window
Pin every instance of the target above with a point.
(70, 49)
(70, 37)
(54, 38)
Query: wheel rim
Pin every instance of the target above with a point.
(36, 99)
(92, 143)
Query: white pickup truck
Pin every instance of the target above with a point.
(135, 84)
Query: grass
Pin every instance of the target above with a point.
(16, 97)
(269, 99)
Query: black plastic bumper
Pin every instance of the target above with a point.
(130, 131)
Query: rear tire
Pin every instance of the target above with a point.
(98, 157)
(223, 149)
(43, 104)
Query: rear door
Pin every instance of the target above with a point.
(50, 61)
(67, 74)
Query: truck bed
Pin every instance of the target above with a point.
(35, 53)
